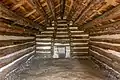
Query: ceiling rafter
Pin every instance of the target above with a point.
(52, 9)
(19, 4)
(30, 13)
(25, 21)
(62, 6)
(40, 9)
(86, 6)
(93, 7)
(17, 19)
(74, 9)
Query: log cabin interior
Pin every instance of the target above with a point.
(59, 40)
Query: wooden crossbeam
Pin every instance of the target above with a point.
(19, 4)
(40, 9)
(33, 11)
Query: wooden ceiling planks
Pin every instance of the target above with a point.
(81, 12)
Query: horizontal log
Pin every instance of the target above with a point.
(106, 40)
(13, 42)
(4, 70)
(48, 31)
(107, 32)
(113, 36)
(76, 32)
(44, 47)
(13, 56)
(62, 37)
(60, 44)
(43, 52)
(79, 37)
(43, 40)
(112, 63)
(79, 44)
(108, 53)
(45, 36)
(106, 45)
(79, 41)
(6, 37)
(14, 31)
(105, 67)
(100, 57)
(13, 48)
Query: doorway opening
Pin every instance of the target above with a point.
(61, 51)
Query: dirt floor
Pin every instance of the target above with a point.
(62, 69)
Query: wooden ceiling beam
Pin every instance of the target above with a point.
(52, 9)
(62, 8)
(85, 7)
(18, 19)
(40, 9)
(33, 11)
(18, 4)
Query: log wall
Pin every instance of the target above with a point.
(104, 44)
(62, 35)
(17, 43)
(14, 50)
